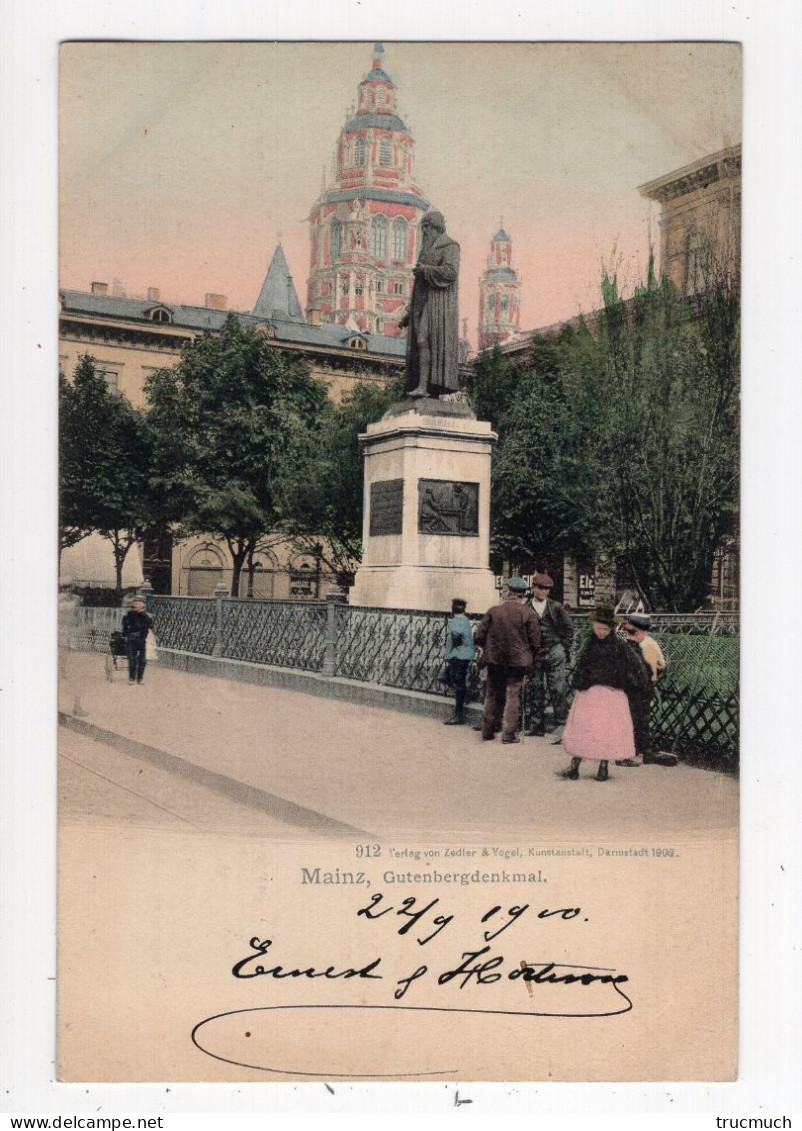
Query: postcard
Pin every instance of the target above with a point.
(361, 343)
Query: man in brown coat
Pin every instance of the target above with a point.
(509, 634)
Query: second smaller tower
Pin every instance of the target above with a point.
(499, 295)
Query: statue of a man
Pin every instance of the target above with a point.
(432, 315)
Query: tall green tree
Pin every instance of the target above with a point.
(75, 521)
(235, 427)
(542, 466)
(104, 464)
(328, 516)
(623, 442)
(669, 455)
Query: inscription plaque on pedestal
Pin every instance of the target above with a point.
(386, 506)
(445, 507)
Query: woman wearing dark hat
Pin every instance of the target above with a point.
(599, 726)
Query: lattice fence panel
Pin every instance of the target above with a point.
(290, 634)
(394, 647)
(184, 623)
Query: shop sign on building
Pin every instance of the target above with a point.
(586, 590)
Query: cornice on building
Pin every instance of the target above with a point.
(726, 164)
(137, 336)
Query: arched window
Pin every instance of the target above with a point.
(161, 314)
(378, 237)
(359, 150)
(385, 152)
(399, 239)
(335, 239)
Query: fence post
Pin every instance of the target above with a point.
(220, 592)
(334, 597)
(145, 591)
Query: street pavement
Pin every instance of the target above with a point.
(234, 757)
(196, 814)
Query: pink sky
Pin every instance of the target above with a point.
(180, 163)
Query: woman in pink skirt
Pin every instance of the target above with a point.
(599, 725)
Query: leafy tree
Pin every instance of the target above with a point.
(104, 458)
(493, 385)
(624, 443)
(75, 521)
(328, 517)
(670, 449)
(541, 472)
(236, 426)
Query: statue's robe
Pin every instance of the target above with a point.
(434, 308)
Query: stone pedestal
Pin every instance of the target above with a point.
(426, 533)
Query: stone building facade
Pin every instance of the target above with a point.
(130, 338)
(700, 221)
(364, 226)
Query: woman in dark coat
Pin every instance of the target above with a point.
(599, 726)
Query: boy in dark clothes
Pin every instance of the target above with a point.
(136, 625)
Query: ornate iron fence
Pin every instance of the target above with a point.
(696, 708)
(395, 647)
(290, 634)
(693, 624)
(187, 624)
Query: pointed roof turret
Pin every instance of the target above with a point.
(277, 298)
(499, 262)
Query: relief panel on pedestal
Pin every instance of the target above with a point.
(446, 507)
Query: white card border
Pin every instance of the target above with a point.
(771, 463)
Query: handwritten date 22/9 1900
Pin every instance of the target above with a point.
(477, 965)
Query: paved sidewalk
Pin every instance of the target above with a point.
(395, 776)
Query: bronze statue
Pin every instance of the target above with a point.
(432, 315)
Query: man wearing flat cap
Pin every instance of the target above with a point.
(636, 631)
(550, 670)
(509, 635)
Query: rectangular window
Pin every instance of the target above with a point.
(112, 379)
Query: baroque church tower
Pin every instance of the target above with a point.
(499, 295)
(364, 226)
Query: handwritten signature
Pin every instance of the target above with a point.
(562, 988)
